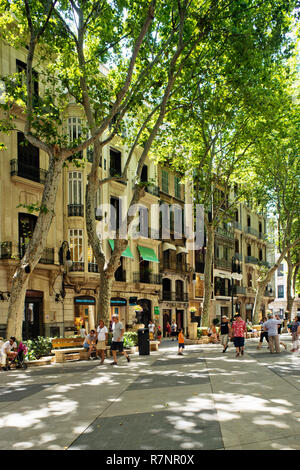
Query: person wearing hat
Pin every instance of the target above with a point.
(225, 331)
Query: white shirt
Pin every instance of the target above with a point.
(8, 347)
(151, 327)
(101, 333)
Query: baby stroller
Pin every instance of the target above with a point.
(19, 361)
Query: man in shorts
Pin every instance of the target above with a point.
(117, 339)
(90, 342)
(239, 328)
(102, 340)
(224, 330)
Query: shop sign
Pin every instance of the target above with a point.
(117, 301)
(156, 310)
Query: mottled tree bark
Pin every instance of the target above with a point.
(208, 285)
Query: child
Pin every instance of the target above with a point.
(180, 342)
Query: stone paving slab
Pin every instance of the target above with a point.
(148, 431)
(19, 392)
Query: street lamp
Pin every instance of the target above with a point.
(235, 274)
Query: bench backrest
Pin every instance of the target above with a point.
(67, 342)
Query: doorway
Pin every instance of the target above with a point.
(33, 325)
(180, 319)
(145, 315)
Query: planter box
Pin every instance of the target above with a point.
(43, 361)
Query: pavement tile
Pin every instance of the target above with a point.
(166, 430)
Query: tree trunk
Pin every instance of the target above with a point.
(261, 287)
(208, 286)
(34, 251)
(289, 286)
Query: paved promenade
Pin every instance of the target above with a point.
(202, 400)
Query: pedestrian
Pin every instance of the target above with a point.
(213, 334)
(271, 326)
(225, 330)
(295, 330)
(239, 329)
(82, 331)
(102, 332)
(263, 334)
(8, 351)
(90, 343)
(279, 332)
(117, 339)
(173, 330)
(168, 330)
(180, 342)
(151, 327)
(158, 334)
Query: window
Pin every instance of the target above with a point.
(21, 69)
(115, 162)
(177, 187)
(248, 250)
(114, 222)
(280, 292)
(237, 246)
(280, 270)
(75, 187)
(260, 255)
(144, 174)
(76, 249)
(165, 181)
(28, 159)
(74, 128)
(248, 221)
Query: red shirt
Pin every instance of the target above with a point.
(239, 328)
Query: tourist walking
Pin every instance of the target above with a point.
(102, 332)
(168, 330)
(263, 334)
(295, 330)
(271, 326)
(180, 342)
(239, 329)
(279, 332)
(173, 330)
(117, 339)
(224, 330)
(151, 327)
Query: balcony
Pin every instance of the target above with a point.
(176, 267)
(147, 278)
(252, 231)
(251, 260)
(221, 263)
(174, 296)
(10, 251)
(264, 263)
(263, 236)
(29, 172)
(239, 290)
(93, 268)
(77, 266)
(225, 233)
(237, 225)
(152, 189)
(75, 210)
(47, 256)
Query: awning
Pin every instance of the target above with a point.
(168, 246)
(181, 249)
(148, 254)
(127, 253)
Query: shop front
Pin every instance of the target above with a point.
(85, 313)
(118, 307)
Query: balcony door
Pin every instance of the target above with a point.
(26, 227)
(28, 159)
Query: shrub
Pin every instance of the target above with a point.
(38, 348)
(130, 339)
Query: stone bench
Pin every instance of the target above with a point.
(154, 345)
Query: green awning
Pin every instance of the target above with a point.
(127, 253)
(148, 254)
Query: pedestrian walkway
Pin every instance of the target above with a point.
(202, 400)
